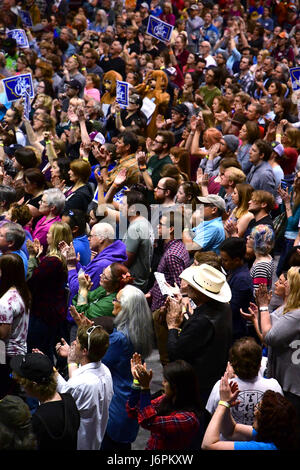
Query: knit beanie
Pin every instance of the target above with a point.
(232, 142)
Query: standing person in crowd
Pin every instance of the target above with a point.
(47, 279)
(245, 362)
(262, 238)
(206, 336)
(233, 252)
(279, 330)
(15, 303)
(56, 421)
(179, 404)
(261, 175)
(275, 425)
(89, 383)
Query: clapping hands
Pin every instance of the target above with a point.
(139, 371)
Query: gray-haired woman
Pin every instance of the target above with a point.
(51, 206)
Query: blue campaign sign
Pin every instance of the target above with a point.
(26, 18)
(295, 77)
(122, 93)
(159, 29)
(20, 36)
(18, 86)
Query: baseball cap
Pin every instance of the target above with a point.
(194, 7)
(145, 5)
(213, 199)
(14, 412)
(181, 109)
(171, 71)
(74, 84)
(33, 366)
(292, 7)
(278, 148)
(97, 137)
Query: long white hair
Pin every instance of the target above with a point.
(135, 320)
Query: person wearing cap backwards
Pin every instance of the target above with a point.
(56, 421)
(205, 338)
(209, 234)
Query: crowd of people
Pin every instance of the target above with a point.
(172, 223)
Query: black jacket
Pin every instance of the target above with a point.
(204, 342)
(80, 199)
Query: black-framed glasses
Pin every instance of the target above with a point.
(89, 331)
(116, 301)
(162, 189)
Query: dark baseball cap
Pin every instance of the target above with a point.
(181, 109)
(14, 412)
(74, 84)
(33, 366)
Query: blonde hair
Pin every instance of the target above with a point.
(293, 300)
(60, 231)
(236, 175)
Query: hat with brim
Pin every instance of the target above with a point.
(209, 281)
(213, 199)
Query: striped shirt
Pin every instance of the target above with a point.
(262, 273)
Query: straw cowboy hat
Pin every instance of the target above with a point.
(209, 281)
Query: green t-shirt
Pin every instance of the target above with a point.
(209, 95)
(99, 304)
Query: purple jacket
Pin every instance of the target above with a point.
(114, 253)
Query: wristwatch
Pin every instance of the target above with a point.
(263, 309)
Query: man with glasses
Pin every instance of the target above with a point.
(106, 251)
(151, 171)
(90, 383)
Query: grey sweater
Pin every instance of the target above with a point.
(283, 341)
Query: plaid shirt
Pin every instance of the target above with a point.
(174, 260)
(175, 431)
(129, 162)
(246, 81)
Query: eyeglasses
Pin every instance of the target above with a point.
(159, 141)
(162, 189)
(89, 331)
(115, 300)
(103, 276)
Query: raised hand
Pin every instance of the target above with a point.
(143, 375)
(62, 348)
(228, 391)
(84, 281)
(79, 318)
(135, 361)
(253, 313)
(120, 179)
(262, 296)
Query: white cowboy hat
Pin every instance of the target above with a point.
(209, 281)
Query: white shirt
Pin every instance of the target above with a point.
(251, 392)
(210, 61)
(91, 387)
